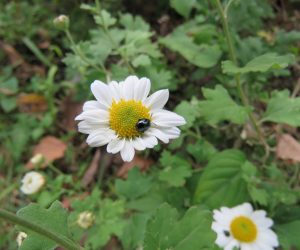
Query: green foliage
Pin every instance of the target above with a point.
(176, 169)
(165, 230)
(129, 188)
(283, 109)
(53, 219)
(222, 183)
(289, 234)
(183, 7)
(259, 64)
(219, 106)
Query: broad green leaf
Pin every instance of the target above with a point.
(175, 171)
(134, 23)
(204, 55)
(261, 63)
(128, 188)
(8, 103)
(283, 109)
(165, 230)
(141, 60)
(189, 110)
(105, 19)
(289, 235)
(53, 219)
(183, 7)
(8, 86)
(219, 106)
(222, 183)
(202, 150)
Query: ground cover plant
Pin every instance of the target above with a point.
(160, 125)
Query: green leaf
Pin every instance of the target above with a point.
(54, 219)
(289, 235)
(9, 86)
(219, 106)
(175, 171)
(189, 110)
(165, 230)
(283, 109)
(183, 7)
(8, 103)
(261, 63)
(204, 55)
(105, 19)
(202, 150)
(222, 183)
(134, 23)
(128, 188)
(141, 60)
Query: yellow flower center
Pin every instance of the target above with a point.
(243, 229)
(124, 115)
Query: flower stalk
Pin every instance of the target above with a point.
(239, 87)
(61, 240)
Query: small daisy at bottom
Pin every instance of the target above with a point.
(125, 118)
(242, 228)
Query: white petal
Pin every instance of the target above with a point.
(115, 90)
(172, 132)
(89, 105)
(142, 89)
(100, 137)
(115, 145)
(87, 128)
(159, 134)
(261, 220)
(98, 116)
(233, 243)
(102, 93)
(158, 99)
(129, 86)
(149, 141)
(165, 118)
(268, 237)
(127, 152)
(138, 143)
(246, 246)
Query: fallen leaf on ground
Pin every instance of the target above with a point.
(51, 148)
(288, 148)
(142, 163)
(69, 110)
(32, 103)
(91, 171)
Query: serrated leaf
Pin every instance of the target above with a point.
(189, 110)
(204, 55)
(128, 188)
(261, 63)
(141, 60)
(219, 106)
(202, 150)
(166, 231)
(134, 22)
(53, 219)
(289, 234)
(183, 7)
(222, 183)
(175, 171)
(105, 19)
(283, 109)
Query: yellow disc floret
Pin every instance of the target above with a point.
(243, 229)
(123, 116)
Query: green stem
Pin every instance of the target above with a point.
(59, 239)
(7, 191)
(239, 87)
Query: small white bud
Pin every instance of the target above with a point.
(37, 159)
(86, 219)
(32, 182)
(20, 237)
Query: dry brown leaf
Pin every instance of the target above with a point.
(69, 110)
(142, 163)
(51, 148)
(32, 103)
(91, 171)
(288, 148)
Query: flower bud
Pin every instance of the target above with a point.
(61, 22)
(86, 219)
(37, 159)
(20, 237)
(32, 182)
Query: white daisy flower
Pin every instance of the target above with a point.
(20, 238)
(32, 182)
(125, 118)
(242, 228)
